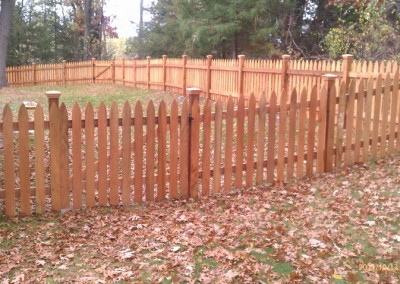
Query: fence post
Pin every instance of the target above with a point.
(93, 70)
(164, 68)
(113, 70)
(242, 58)
(123, 71)
(148, 72)
(346, 67)
(184, 61)
(329, 81)
(194, 136)
(34, 73)
(55, 144)
(64, 72)
(208, 85)
(284, 73)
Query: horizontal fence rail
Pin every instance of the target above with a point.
(132, 154)
(217, 78)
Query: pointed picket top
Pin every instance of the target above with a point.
(303, 95)
(162, 107)
(389, 67)
(252, 100)
(113, 108)
(38, 112)
(370, 67)
(382, 67)
(76, 110)
(126, 113)
(63, 109)
(364, 67)
(23, 112)
(263, 100)
(273, 99)
(102, 108)
(376, 67)
(229, 104)
(174, 107)
(126, 109)
(150, 107)
(138, 109)
(89, 111)
(293, 96)
(395, 67)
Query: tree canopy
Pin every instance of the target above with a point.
(46, 31)
(52, 30)
(262, 28)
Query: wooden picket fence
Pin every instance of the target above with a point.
(218, 78)
(125, 156)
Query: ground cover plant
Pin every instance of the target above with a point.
(341, 227)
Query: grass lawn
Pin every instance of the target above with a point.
(83, 94)
(342, 227)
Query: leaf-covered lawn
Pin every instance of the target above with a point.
(337, 228)
(83, 94)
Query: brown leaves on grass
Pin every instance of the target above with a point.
(340, 227)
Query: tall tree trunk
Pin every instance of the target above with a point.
(235, 46)
(5, 24)
(88, 19)
(141, 19)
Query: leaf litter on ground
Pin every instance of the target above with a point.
(333, 228)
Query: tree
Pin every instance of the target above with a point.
(48, 31)
(5, 23)
(368, 31)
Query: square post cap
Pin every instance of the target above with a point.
(329, 77)
(53, 94)
(193, 91)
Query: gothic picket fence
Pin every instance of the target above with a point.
(132, 154)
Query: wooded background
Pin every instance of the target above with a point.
(49, 31)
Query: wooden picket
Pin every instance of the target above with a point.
(39, 159)
(174, 147)
(195, 150)
(24, 170)
(126, 153)
(205, 179)
(150, 150)
(138, 152)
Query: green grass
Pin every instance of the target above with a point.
(83, 94)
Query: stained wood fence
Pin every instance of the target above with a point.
(217, 78)
(145, 153)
